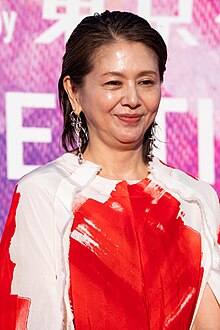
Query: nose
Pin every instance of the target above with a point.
(130, 96)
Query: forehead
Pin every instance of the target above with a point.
(124, 54)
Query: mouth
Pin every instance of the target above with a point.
(129, 118)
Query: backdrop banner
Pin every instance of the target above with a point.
(33, 35)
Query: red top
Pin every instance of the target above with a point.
(133, 262)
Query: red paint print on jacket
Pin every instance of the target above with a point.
(133, 262)
(14, 310)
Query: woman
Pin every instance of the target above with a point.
(107, 236)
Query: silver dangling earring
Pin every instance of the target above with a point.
(153, 133)
(152, 139)
(77, 124)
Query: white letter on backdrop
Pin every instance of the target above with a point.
(206, 148)
(9, 20)
(16, 134)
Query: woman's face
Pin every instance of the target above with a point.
(121, 95)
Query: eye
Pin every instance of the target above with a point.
(146, 82)
(113, 83)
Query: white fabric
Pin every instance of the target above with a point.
(40, 245)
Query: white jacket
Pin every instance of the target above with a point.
(40, 221)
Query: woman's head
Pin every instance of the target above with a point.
(87, 39)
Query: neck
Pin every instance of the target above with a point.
(118, 164)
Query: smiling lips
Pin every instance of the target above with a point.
(129, 118)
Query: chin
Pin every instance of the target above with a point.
(129, 138)
(131, 142)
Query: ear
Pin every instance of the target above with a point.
(72, 95)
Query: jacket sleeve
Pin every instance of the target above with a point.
(214, 280)
(210, 205)
(31, 286)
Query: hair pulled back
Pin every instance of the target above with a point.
(90, 34)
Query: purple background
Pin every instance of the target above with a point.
(192, 73)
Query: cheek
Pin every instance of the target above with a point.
(152, 105)
(155, 101)
(112, 96)
(107, 101)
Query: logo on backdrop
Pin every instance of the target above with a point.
(7, 25)
(65, 15)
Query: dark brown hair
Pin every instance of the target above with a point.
(86, 39)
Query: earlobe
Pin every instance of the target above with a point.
(71, 92)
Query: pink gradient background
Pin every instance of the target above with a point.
(192, 73)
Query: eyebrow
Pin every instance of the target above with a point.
(119, 74)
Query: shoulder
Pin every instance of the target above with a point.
(187, 187)
(201, 187)
(184, 179)
(47, 177)
(45, 173)
(63, 171)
